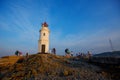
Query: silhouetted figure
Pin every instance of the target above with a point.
(54, 51)
(89, 54)
(27, 56)
(20, 53)
(17, 52)
(72, 53)
(67, 52)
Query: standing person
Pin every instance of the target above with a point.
(89, 54)
(76, 54)
(20, 53)
(67, 52)
(27, 56)
(71, 53)
(54, 51)
(17, 52)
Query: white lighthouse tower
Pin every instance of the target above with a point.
(43, 42)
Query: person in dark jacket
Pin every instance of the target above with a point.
(67, 51)
(54, 51)
(17, 52)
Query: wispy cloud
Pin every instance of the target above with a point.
(26, 33)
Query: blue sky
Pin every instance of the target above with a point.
(80, 25)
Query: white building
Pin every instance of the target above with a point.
(43, 42)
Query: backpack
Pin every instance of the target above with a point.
(66, 50)
(16, 53)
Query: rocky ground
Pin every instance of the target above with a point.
(52, 67)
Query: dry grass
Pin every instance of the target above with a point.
(48, 66)
(9, 60)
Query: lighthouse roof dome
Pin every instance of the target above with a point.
(44, 24)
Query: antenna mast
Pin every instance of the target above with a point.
(111, 45)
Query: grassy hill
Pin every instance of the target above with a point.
(50, 67)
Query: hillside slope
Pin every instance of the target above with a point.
(9, 60)
(108, 54)
(50, 67)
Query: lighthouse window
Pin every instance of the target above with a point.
(43, 34)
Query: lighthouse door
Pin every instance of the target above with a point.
(43, 49)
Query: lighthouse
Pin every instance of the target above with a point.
(43, 42)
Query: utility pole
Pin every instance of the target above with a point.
(111, 45)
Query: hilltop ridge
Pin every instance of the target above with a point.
(51, 67)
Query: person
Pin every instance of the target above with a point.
(71, 53)
(76, 54)
(67, 52)
(54, 51)
(17, 52)
(20, 53)
(89, 54)
(27, 56)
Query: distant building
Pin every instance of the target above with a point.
(43, 42)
